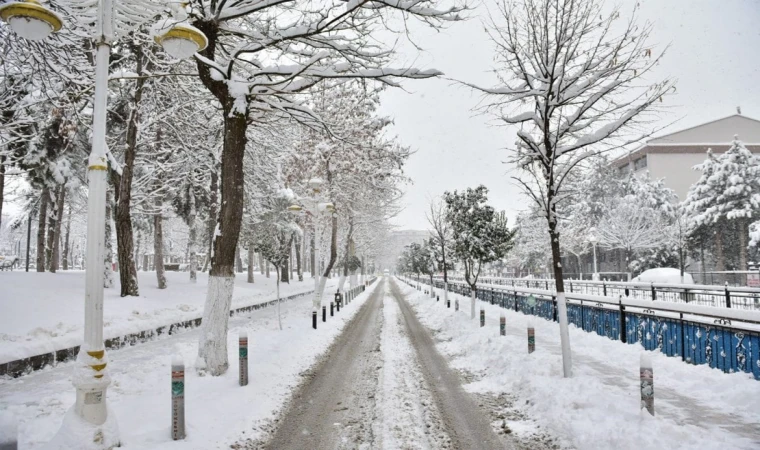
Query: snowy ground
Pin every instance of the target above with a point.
(696, 407)
(42, 312)
(219, 412)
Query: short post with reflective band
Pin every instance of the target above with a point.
(178, 400)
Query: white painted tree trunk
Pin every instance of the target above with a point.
(212, 351)
(567, 361)
(472, 303)
(341, 283)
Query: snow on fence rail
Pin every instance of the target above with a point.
(27, 365)
(716, 296)
(725, 339)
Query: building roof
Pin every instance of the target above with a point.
(716, 135)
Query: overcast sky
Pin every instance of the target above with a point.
(714, 48)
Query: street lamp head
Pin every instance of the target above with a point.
(30, 20)
(182, 41)
(592, 236)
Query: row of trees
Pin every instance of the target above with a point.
(283, 93)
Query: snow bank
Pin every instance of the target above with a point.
(599, 408)
(664, 275)
(44, 312)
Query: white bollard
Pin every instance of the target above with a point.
(646, 377)
(178, 398)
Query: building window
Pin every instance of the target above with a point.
(640, 164)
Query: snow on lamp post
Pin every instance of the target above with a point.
(90, 416)
(593, 239)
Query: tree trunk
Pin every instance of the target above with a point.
(743, 228)
(41, 223)
(212, 214)
(251, 260)
(261, 264)
(108, 279)
(67, 240)
(267, 267)
(124, 237)
(213, 342)
(55, 252)
(312, 266)
(52, 216)
(238, 261)
(567, 365)
(2, 185)
(146, 262)
(299, 269)
(158, 247)
(28, 239)
(720, 261)
(284, 272)
(192, 238)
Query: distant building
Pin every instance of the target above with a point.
(672, 157)
(395, 244)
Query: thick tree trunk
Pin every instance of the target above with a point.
(41, 223)
(261, 264)
(212, 350)
(146, 262)
(158, 247)
(251, 261)
(55, 252)
(52, 217)
(28, 240)
(67, 240)
(267, 268)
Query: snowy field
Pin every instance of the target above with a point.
(696, 407)
(218, 411)
(42, 312)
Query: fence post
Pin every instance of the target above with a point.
(646, 376)
(243, 357)
(728, 297)
(554, 313)
(178, 398)
(604, 288)
(683, 335)
(516, 301)
(502, 325)
(654, 293)
(623, 331)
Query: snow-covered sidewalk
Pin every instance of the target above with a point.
(599, 407)
(219, 413)
(44, 312)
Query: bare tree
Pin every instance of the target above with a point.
(574, 84)
(441, 240)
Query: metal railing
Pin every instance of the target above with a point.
(725, 339)
(705, 295)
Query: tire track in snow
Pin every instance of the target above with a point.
(409, 418)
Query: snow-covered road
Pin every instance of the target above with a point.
(384, 386)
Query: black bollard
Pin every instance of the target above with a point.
(314, 319)
(324, 313)
(331, 309)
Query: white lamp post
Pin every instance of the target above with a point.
(594, 240)
(33, 21)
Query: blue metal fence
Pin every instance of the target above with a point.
(722, 346)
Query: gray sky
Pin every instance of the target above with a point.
(713, 55)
